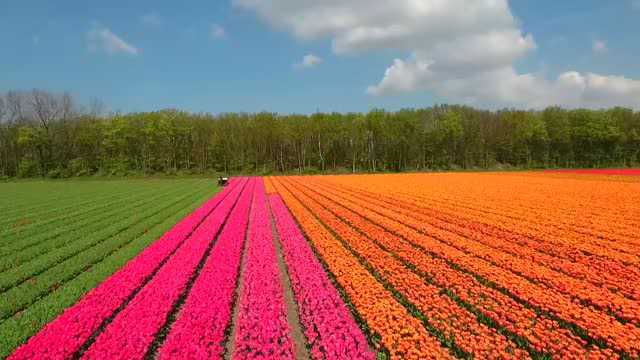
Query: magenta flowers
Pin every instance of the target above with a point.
(328, 325)
(133, 330)
(177, 299)
(199, 332)
(262, 329)
(64, 336)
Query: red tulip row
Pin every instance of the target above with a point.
(65, 336)
(199, 331)
(131, 333)
(328, 326)
(262, 330)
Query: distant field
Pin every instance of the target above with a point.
(621, 172)
(60, 239)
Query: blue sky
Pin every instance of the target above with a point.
(221, 56)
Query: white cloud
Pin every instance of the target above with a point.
(600, 47)
(505, 87)
(101, 38)
(461, 50)
(217, 32)
(308, 61)
(151, 19)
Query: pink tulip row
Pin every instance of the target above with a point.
(199, 331)
(262, 328)
(328, 325)
(64, 336)
(133, 330)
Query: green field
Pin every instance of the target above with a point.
(59, 239)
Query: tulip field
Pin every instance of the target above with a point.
(58, 240)
(520, 265)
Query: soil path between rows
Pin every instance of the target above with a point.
(297, 335)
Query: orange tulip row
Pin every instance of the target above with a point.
(268, 185)
(401, 334)
(589, 236)
(564, 244)
(442, 312)
(542, 333)
(560, 204)
(587, 206)
(601, 209)
(561, 275)
(602, 273)
(456, 249)
(540, 211)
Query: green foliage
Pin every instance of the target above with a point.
(30, 137)
(27, 168)
(444, 137)
(58, 173)
(79, 167)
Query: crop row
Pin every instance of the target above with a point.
(36, 197)
(201, 328)
(27, 292)
(558, 256)
(133, 330)
(328, 326)
(540, 334)
(205, 325)
(539, 206)
(584, 282)
(392, 327)
(68, 333)
(444, 317)
(552, 214)
(59, 226)
(78, 199)
(459, 250)
(261, 328)
(30, 262)
(600, 239)
(16, 329)
(518, 263)
(465, 254)
(179, 296)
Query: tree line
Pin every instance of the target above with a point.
(50, 135)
